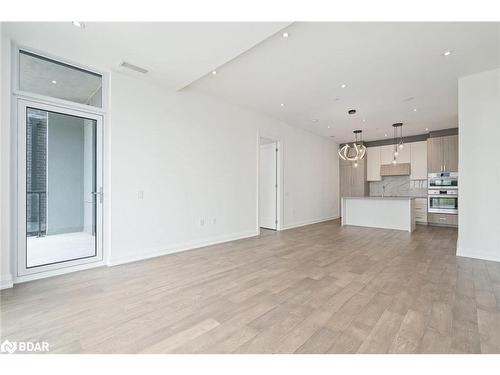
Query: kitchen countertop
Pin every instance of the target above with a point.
(382, 198)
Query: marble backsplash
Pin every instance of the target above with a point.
(399, 186)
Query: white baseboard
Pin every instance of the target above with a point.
(308, 222)
(6, 282)
(190, 245)
(477, 254)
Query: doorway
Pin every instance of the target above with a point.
(59, 187)
(268, 183)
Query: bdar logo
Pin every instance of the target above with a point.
(8, 347)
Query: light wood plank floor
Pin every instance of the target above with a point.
(316, 289)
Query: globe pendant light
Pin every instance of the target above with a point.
(398, 140)
(355, 151)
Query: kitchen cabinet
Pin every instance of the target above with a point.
(353, 180)
(442, 219)
(418, 160)
(414, 153)
(373, 164)
(450, 153)
(442, 154)
(404, 154)
(386, 154)
(421, 210)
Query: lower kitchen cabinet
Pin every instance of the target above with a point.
(421, 210)
(442, 219)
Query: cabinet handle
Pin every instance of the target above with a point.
(444, 169)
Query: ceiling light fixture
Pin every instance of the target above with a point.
(414, 110)
(397, 143)
(426, 129)
(79, 24)
(54, 82)
(285, 35)
(328, 126)
(282, 104)
(315, 120)
(364, 120)
(214, 72)
(355, 151)
(343, 85)
(446, 53)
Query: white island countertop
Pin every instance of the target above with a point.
(379, 212)
(383, 198)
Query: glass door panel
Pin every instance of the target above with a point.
(62, 188)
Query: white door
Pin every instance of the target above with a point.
(268, 186)
(59, 187)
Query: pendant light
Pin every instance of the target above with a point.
(355, 151)
(398, 140)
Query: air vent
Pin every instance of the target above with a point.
(133, 67)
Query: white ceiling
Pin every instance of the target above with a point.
(175, 53)
(382, 64)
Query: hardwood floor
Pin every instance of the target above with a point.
(315, 289)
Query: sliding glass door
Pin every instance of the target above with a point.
(59, 187)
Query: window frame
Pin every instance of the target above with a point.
(16, 89)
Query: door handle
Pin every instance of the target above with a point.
(98, 193)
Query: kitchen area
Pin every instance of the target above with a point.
(398, 183)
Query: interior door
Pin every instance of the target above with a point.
(59, 187)
(268, 185)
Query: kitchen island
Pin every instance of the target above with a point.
(379, 212)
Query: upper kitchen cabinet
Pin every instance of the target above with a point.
(373, 164)
(442, 154)
(404, 154)
(418, 160)
(450, 153)
(386, 154)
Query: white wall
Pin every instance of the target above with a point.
(6, 172)
(195, 159)
(479, 165)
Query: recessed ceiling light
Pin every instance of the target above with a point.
(446, 53)
(282, 104)
(414, 110)
(285, 35)
(364, 120)
(214, 72)
(79, 24)
(315, 120)
(328, 126)
(54, 82)
(343, 85)
(426, 129)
